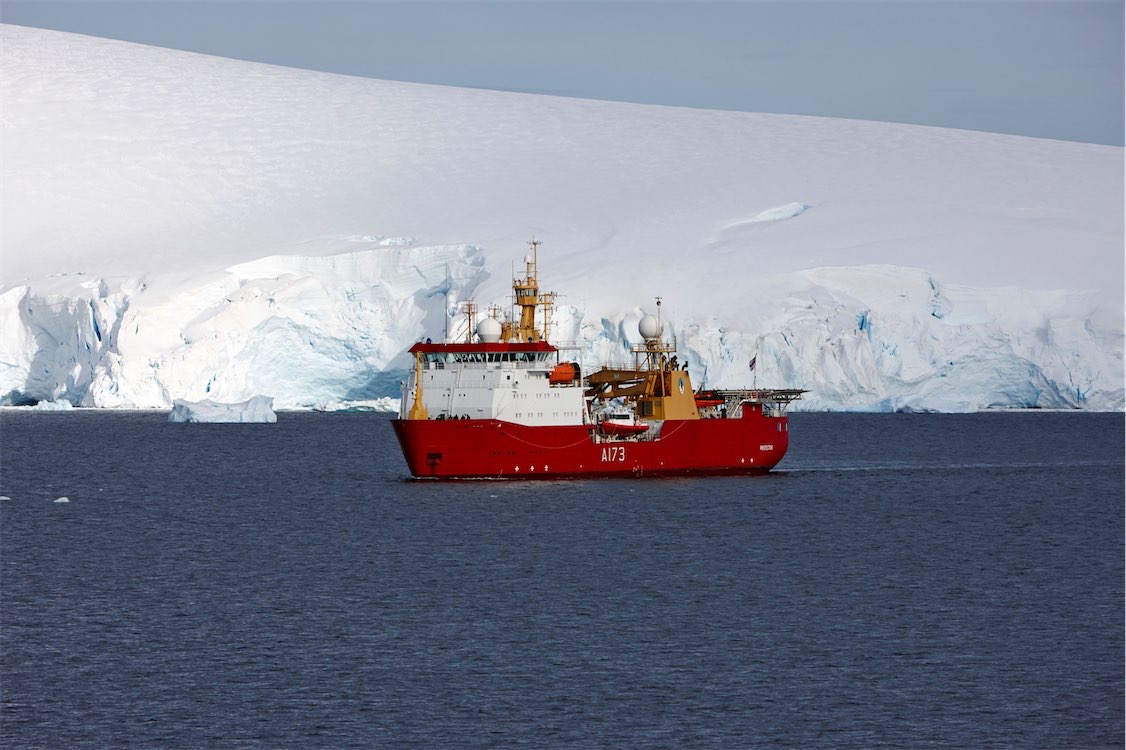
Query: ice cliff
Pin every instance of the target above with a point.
(313, 331)
(305, 330)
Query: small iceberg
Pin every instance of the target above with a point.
(385, 404)
(256, 409)
(62, 500)
(57, 405)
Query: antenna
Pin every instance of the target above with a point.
(471, 320)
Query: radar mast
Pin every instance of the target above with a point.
(528, 298)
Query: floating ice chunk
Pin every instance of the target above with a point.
(57, 405)
(4, 497)
(256, 409)
(63, 499)
(386, 404)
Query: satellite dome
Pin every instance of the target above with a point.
(488, 330)
(649, 327)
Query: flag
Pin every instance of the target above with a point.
(753, 360)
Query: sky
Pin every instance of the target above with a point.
(1047, 69)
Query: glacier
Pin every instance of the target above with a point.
(177, 226)
(306, 330)
(319, 331)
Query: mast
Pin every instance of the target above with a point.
(471, 320)
(655, 348)
(654, 353)
(446, 308)
(528, 298)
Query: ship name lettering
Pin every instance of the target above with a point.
(614, 453)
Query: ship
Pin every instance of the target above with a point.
(506, 403)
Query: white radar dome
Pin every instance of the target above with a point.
(488, 330)
(649, 327)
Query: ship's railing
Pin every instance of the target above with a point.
(614, 365)
(774, 401)
(633, 365)
(759, 395)
(541, 366)
(488, 361)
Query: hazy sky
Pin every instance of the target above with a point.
(1045, 69)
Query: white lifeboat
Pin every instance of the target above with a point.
(622, 424)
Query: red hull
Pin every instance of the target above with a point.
(489, 448)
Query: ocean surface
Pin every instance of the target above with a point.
(904, 581)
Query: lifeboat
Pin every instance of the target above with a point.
(622, 425)
(563, 373)
(706, 399)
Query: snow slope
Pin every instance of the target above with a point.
(174, 225)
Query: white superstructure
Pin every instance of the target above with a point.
(510, 382)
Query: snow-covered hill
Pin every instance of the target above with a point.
(182, 226)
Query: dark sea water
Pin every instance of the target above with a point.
(904, 581)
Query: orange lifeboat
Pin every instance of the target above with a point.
(705, 399)
(563, 373)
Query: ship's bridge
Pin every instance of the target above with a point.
(439, 356)
(522, 382)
